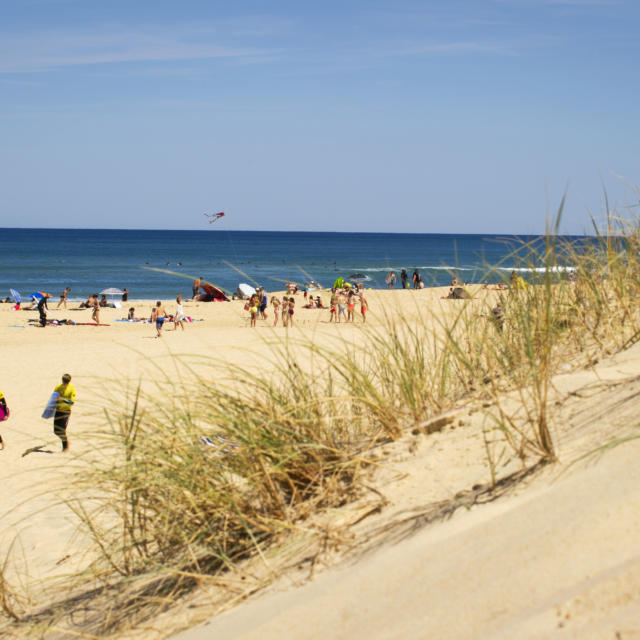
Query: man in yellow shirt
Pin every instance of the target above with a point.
(66, 397)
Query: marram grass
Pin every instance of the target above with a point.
(282, 444)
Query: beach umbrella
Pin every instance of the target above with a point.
(111, 291)
(37, 294)
(17, 298)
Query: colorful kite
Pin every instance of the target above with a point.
(214, 216)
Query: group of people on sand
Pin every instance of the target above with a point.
(343, 303)
(159, 316)
(341, 306)
(257, 307)
(64, 398)
(416, 279)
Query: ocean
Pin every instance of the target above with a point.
(90, 260)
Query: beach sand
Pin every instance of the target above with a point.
(35, 359)
(554, 555)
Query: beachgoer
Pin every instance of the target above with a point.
(351, 305)
(342, 305)
(158, 315)
(254, 306)
(63, 298)
(178, 319)
(364, 306)
(275, 303)
(292, 305)
(262, 298)
(416, 279)
(66, 398)
(319, 304)
(43, 308)
(404, 277)
(4, 415)
(514, 280)
(103, 301)
(333, 308)
(454, 282)
(95, 316)
(196, 287)
(125, 295)
(285, 311)
(390, 279)
(132, 314)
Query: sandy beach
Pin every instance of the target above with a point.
(36, 358)
(525, 564)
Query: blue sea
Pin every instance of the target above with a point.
(90, 260)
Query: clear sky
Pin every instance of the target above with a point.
(434, 116)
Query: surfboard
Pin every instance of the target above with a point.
(245, 290)
(50, 409)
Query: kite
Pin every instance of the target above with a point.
(214, 216)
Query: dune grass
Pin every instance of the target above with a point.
(204, 473)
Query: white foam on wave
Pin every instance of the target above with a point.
(423, 268)
(556, 269)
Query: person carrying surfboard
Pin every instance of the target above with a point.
(66, 399)
(4, 414)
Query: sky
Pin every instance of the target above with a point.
(439, 116)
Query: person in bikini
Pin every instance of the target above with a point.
(364, 306)
(292, 304)
(63, 298)
(351, 305)
(333, 308)
(95, 315)
(275, 303)
(254, 306)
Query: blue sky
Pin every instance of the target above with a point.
(435, 116)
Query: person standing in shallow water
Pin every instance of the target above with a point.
(404, 277)
(66, 399)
